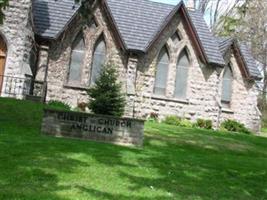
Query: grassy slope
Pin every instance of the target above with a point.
(175, 163)
(264, 132)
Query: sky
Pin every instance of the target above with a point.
(174, 2)
(223, 6)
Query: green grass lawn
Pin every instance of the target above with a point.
(175, 163)
(264, 132)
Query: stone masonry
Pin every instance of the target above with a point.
(17, 30)
(137, 74)
(59, 59)
(123, 131)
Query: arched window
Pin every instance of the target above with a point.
(162, 72)
(227, 86)
(99, 58)
(77, 58)
(182, 68)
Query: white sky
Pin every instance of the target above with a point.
(224, 5)
(174, 2)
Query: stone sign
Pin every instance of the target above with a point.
(123, 131)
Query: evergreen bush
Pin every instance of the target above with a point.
(106, 95)
(234, 126)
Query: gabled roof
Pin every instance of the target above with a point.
(138, 23)
(208, 41)
(225, 43)
(250, 61)
(52, 16)
(138, 20)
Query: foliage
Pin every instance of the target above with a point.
(153, 117)
(86, 8)
(202, 123)
(172, 120)
(186, 123)
(58, 105)
(264, 119)
(177, 121)
(77, 109)
(234, 126)
(175, 163)
(262, 105)
(106, 95)
(214, 9)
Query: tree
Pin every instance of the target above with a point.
(106, 95)
(86, 8)
(248, 23)
(3, 4)
(213, 9)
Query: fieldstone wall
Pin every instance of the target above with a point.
(18, 33)
(137, 73)
(243, 106)
(202, 87)
(60, 53)
(123, 131)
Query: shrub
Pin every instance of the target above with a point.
(106, 95)
(172, 120)
(54, 104)
(82, 106)
(186, 123)
(234, 126)
(202, 123)
(153, 117)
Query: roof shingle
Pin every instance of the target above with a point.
(51, 16)
(224, 43)
(208, 41)
(138, 20)
(250, 61)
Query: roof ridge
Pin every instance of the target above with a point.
(167, 19)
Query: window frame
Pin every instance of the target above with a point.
(80, 35)
(185, 51)
(163, 51)
(98, 41)
(227, 103)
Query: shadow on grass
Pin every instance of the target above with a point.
(176, 164)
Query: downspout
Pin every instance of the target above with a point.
(44, 90)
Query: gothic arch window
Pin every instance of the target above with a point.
(227, 86)
(162, 72)
(77, 58)
(99, 57)
(182, 68)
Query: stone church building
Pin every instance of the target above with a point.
(167, 59)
